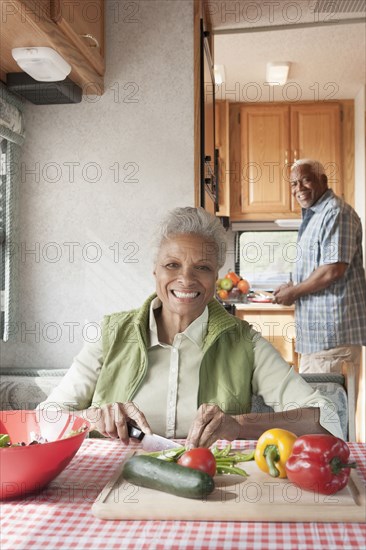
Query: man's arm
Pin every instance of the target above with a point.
(320, 279)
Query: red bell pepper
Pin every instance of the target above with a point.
(319, 462)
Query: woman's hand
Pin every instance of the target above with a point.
(211, 424)
(111, 419)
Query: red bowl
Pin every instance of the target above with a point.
(29, 468)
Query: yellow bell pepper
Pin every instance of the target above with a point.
(272, 451)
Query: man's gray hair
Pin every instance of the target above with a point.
(316, 166)
(189, 220)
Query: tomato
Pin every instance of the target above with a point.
(199, 459)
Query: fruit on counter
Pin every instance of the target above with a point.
(243, 286)
(233, 276)
(200, 458)
(218, 283)
(226, 284)
(319, 462)
(169, 477)
(223, 294)
(234, 285)
(273, 449)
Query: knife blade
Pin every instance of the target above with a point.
(151, 442)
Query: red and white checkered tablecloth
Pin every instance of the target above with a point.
(60, 517)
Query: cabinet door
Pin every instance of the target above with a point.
(276, 325)
(264, 160)
(222, 146)
(83, 24)
(315, 134)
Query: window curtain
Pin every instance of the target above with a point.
(12, 138)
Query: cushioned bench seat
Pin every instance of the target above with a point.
(26, 388)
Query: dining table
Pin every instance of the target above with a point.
(61, 517)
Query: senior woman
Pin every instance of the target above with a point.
(180, 365)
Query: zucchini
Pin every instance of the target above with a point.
(153, 473)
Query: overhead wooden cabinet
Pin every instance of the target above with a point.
(264, 158)
(83, 24)
(315, 134)
(74, 28)
(265, 140)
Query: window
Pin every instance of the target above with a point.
(267, 258)
(3, 146)
(11, 140)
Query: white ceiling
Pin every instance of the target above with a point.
(327, 61)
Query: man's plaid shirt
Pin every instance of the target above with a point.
(331, 232)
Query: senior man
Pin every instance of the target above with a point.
(330, 288)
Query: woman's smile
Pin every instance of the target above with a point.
(185, 272)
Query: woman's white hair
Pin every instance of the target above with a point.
(316, 166)
(196, 221)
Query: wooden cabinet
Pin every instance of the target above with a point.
(265, 139)
(276, 324)
(83, 24)
(73, 28)
(315, 133)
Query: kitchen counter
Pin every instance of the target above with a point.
(268, 306)
(275, 322)
(61, 516)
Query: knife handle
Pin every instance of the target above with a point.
(134, 431)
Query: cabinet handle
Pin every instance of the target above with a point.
(96, 43)
(286, 157)
(295, 155)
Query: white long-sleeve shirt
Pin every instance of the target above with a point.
(168, 396)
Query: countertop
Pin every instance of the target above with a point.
(263, 305)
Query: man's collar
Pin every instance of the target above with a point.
(320, 203)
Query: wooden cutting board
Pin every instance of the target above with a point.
(255, 498)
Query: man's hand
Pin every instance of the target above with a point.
(111, 419)
(284, 294)
(211, 424)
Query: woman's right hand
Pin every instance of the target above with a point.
(111, 420)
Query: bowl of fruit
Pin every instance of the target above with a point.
(232, 288)
(36, 446)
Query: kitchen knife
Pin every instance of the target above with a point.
(151, 442)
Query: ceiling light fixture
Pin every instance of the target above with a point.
(219, 74)
(277, 73)
(43, 64)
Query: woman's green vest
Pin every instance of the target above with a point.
(225, 372)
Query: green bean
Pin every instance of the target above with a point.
(231, 470)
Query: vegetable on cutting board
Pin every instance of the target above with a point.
(226, 459)
(169, 477)
(200, 458)
(272, 451)
(319, 462)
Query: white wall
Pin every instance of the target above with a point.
(68, 147)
